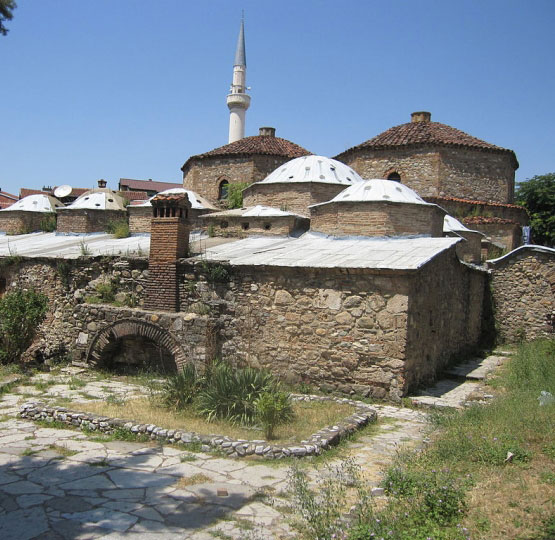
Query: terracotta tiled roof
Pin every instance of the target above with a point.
(426, 133)
(146, 185)
(481, 220)
(438, 200)
(25, 192)
(258, 145)
(7, 199)
(6, 195)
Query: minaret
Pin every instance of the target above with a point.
(237, 100)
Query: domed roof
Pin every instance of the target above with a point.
(378, 190)
(422, 131)
(98, 199)
(197, 202)
(269, 145)
(313, 169)
(35, 203)
(254, 211)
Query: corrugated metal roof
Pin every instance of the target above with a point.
(313, 169)
(319, 251)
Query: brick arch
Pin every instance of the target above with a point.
(134, 327)
(397, 170)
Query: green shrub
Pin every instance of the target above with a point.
(48, 223)
(120, 228)
(180, 389)
(106, 292)
(273, 407)
(215, 272)
(20, 313)
(235, 194)
(230, 394)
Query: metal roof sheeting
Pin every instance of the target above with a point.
(313, 169)
(314, 250)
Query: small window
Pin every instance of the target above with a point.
(223, 224)
(267, 226)
(245, 226)
(395, 176)
(223, 190)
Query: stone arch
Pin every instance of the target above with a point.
(394, 173)
(131, 327)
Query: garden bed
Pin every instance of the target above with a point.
(233, 447)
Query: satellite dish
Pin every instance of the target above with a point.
(63, 191)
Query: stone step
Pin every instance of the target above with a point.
(476, 368)
(447, 393)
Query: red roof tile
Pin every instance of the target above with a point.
(258, 145)
(133, 195)
(146, 185)
(438, 200)
(481, 220)
(6, 195)
(426, 133)
(24, 192)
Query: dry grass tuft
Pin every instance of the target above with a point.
(309, 418)
(198, 478)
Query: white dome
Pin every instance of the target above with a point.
(98, 199)
(197, 202)
(313, 169)
(35, 203)
(378, 190)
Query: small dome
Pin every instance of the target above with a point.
(378, 190)
(36, 203)
(197, 202)
(98, 199)
(450, 224)
(313, 169)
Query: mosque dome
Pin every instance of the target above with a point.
(36, 203)
(313, 169)
(98, 199)
(378, 190)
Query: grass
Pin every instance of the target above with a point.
(198, 478)
(310, 417)
(62, 450)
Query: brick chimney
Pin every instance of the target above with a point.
(421, 116)
(169, 241)
(267, 132)
(102, 183)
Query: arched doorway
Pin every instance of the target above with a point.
(135, 345)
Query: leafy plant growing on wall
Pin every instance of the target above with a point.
(48, 223)
(215, 272)
(20, 313)
(120, 229)
(235, 194)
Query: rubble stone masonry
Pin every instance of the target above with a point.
(21, 221)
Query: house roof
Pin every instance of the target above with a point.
(313, 169)
(40, 202)
(133, 195)
(6, 199)
(438, 199)
(377, 190)
(420, 133)
(481, 220)
(257, 145)
(314, 250)
(148, 185)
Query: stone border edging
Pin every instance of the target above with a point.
(321, 440)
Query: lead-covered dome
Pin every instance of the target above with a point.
(35, 203)
(98, 199)
(313, 169)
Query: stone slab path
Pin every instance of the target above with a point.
(58, 484)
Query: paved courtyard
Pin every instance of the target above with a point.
(60, 484)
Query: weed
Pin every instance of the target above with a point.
(62, 450)
(184, 458)
(63, 269)
(101, 463)
(115, 400)
(44, 385)
(84, 249)
(120, 228)
(75, 383)
(198, 478)
(48, 223)
(29, 452)
(215, 272)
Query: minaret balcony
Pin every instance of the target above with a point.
(241, 101)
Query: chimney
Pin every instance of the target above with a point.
(421, 116)
(267, 132)
(169, 241)
(102, 183)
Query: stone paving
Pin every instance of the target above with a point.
(60, 484)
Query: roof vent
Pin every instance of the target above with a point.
(102, 183)
(421, 116)
(267, 132)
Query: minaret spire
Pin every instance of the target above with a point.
(238, 100)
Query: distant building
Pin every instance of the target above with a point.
(149, 186)
(6, 199)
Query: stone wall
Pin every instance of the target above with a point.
(523, 286)
(446, 301)
(87, 221)
(441, 171)
(243, 226)
(501, 232)
(471, 249)
(377, 219)
(293, 197)
(205, 175)
(21, 221)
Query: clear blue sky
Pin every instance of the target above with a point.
(131, 88)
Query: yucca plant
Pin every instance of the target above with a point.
(231, 393)
(273, 408)
(180, 389)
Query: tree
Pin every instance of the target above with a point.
(6, 8)
(20, 314)
(537, 195)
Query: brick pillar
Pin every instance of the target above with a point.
(169, 241)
